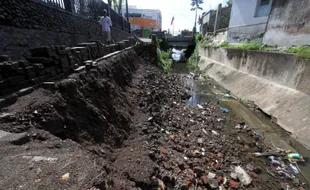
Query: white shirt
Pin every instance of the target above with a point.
(106, 23)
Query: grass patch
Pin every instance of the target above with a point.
(192, 61)
(301, 51)
(198, 37)
(246, 47)
(165, 60)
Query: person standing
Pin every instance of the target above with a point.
(106, 24)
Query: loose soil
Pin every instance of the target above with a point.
(125, 125)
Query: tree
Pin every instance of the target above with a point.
(229, 3)
(185, 32)
(94, 9)
(195, 6)
(118, 5)
(127, 10)
(110, 3)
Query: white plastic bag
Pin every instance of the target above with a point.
(243, 176)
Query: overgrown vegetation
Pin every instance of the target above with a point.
(192, 61)
(302, 51)
(162, 44)
(198, 37)
(246, 47)
(165, 60)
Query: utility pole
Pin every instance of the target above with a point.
(127, 11)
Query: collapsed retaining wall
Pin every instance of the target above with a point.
(278, 83)
(51, 61)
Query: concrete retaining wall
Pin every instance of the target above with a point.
(278, 83)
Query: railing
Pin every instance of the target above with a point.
(56, 3)
(209, 20)
(88, 9)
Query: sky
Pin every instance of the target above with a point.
(180, 9)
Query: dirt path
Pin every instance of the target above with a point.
(125, 125)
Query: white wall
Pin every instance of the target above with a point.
(289, 24)
(243, 13)
(243, 21)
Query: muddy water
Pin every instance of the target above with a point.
(206, 90)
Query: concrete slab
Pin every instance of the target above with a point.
(14, 138)
(3, 134)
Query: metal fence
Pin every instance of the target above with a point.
(88, 9)
(209, 20)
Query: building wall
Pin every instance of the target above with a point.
(245, 24)
(147, 14)
(289, 23)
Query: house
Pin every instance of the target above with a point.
(248, 20)
(288, 24)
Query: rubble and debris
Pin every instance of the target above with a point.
(139, 134)
(225, 110)
(65, 177)
(243, 176)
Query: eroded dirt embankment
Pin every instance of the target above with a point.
(125, 125)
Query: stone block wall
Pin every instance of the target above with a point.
(25, 25)
(47, 62)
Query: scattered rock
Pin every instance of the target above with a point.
(14, 138)
(161, 185)
(254, 175)
(164, 151)
(65, 177)
(211, 175)
(233, 184)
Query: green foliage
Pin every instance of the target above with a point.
(229, 3)
(196, 4)
(163, 44)
(192, 61)
(118, 5)
(301, 51)
(204, 41)
(246, 47)
(185, 32)
(198, 37)
(224, 45)
(165, 60)
(158, 42)
(206, 45)
(250, 46)
(213, 12)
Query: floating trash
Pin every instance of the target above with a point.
(225, 110)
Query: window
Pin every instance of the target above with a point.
(263, 8)
(264, 2)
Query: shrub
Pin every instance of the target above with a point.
(192, 61)
(165, 60)
(301, 51)
(198, 37)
